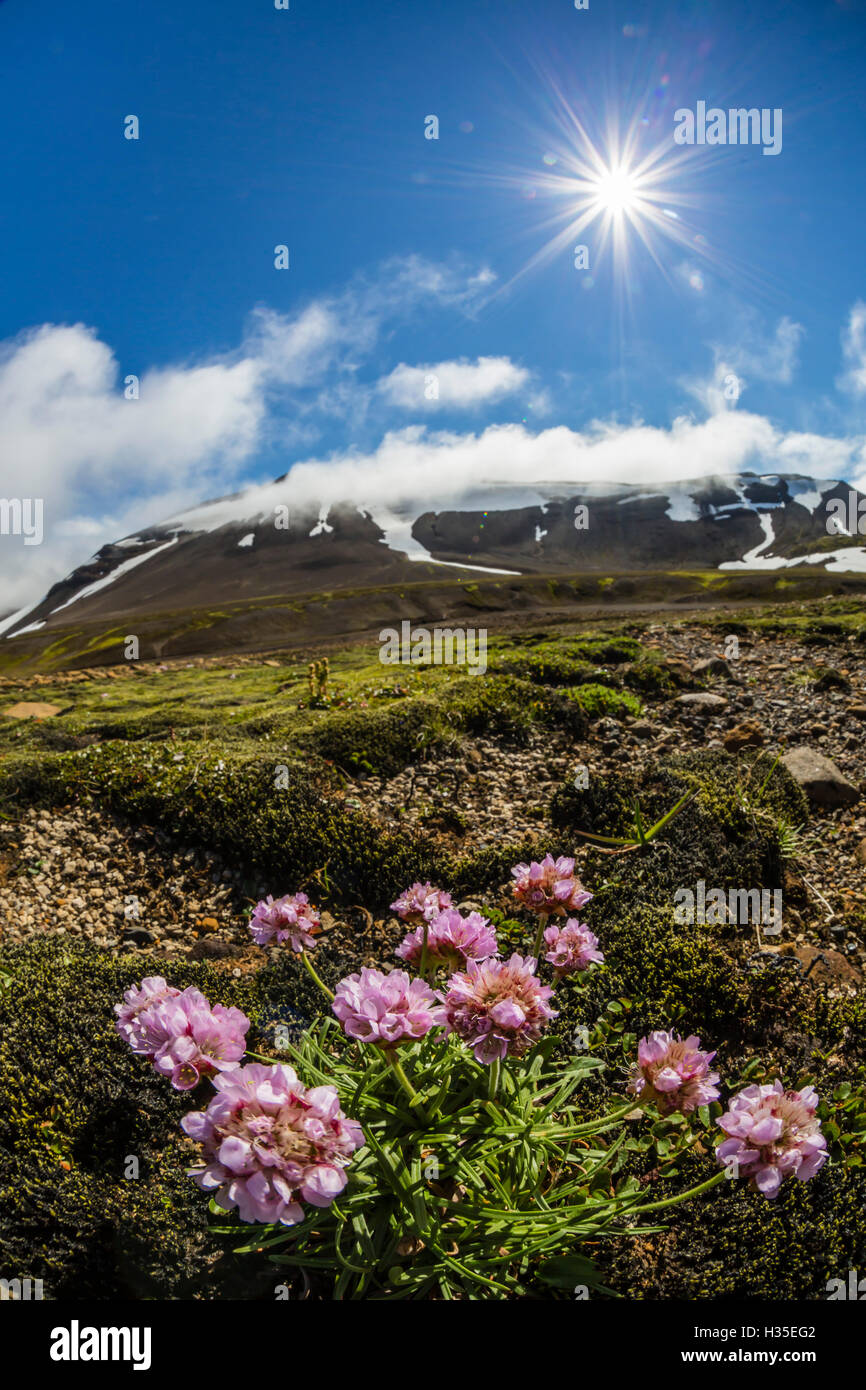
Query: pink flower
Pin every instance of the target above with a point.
(498, 1007)
(452, 940)
(549, 887)
(290, 918)
(385, 1009)
(268, 1141)
(153, 990)
(421, 903)
(572, 948)
(674, 1073)
(186, 1038)
(774, 1134)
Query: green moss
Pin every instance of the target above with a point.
(651, 679)
(241, 809)
(506, 707)
(79, 1112)
(379, 740)
(599, 700)
(741, 1246)
(555, 667)
(678, 972)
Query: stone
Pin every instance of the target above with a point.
(860, 852)
(745, 735)
(137, 936)
(857, 711)
(827, 966)
(819, 777)
(678, 668)
(713, 666)
(829, 679)
(701, 702)
(209, 949)
(642, 729)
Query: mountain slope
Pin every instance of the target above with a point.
(257, 545)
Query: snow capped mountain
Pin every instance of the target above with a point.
(270, 540)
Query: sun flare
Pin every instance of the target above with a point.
(614, 189)
(617, 191)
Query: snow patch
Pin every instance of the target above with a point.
(848, 559)
(803, 490)
(752, 558)
(682, 507)
(398, 536)
(107, 579)
(14, 618)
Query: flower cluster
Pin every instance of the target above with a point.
(385, 1009)
(549, 888)
(290, 918)
(452, 940)
(573, 948)
(421, 903)
(674, 1073)
(152, 990)
(181, 1033)
(268, 1141)
(269, 1144)
(498, 1007)
(773, 1134)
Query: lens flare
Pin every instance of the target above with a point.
(617, 191)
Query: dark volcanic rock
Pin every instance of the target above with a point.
(820, 778)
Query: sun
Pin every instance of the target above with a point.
(612, 189)
(616, 191)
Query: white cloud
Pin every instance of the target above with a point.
(752, 356)
(104, 464)
(755, 357)
(453, 385)
(415, 469)
(854, 351)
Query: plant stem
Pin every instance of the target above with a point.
(685, 1196)
(425, 933)
(493, 1079)
(397, 1068)
(605, 1121)
(312, 970)
(539, 935)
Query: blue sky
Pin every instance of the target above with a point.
(412, 258)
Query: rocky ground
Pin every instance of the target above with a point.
(80, 872)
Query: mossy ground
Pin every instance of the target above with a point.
(237, 759)
(94, 1197)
